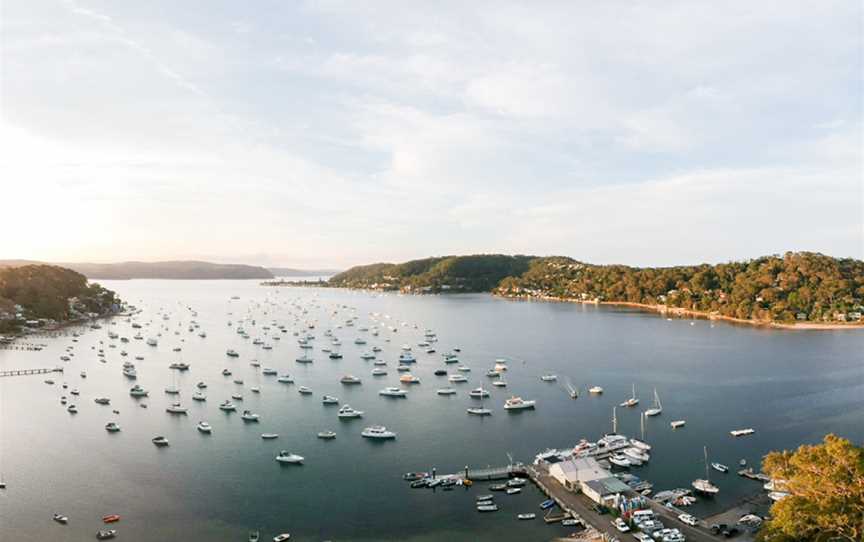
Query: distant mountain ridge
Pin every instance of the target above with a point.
(182, 270)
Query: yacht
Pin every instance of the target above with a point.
(112, 427)
(677, 423)
(549, 378)
(379, 372)
(285, 379)
(227, 406)
(179, 365)
(303, 390)
(269, 371)
(620, 460)
(330, 400)
(597, 390)
(204, 427)
(102, 401)
(232, 353)
(138, 391)
(446, 391)
(285, 457)
(409, 379)
(226, 372)
(517, 403)
(657, 408)
(632, 401)
(249, 416)
(347, 412)
(176, 408)
(478, 393)
(350, 379)
(199, 396)
(160, 441)
(378, 432)
(457, 378)
(393, 392)
(327, 435)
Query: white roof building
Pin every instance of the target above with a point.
(572, 473)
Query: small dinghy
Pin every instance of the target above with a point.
(59, 518)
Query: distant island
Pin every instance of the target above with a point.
(292, 272)
(45, 296)
(183, 270)
(797, 289)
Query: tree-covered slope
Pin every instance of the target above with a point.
(802, 286)
(49, 292)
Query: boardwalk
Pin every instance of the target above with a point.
(25, 372)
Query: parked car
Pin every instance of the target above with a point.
(600, 509)
(620, 525)
(642, 537)
(688, 519)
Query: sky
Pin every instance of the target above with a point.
(330, 133)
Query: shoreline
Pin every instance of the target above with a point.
(663, 310)
(682, 312)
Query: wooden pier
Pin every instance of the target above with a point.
(25, 372)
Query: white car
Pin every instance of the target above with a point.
(620, 525)
(642, 537)
(688, 519)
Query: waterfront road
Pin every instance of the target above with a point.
(582, 506)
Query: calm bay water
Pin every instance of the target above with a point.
(792, 387)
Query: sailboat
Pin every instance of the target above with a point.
(705, 486)
(480, 411)
(657, 408)
(633, 401)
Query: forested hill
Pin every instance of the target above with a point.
(48, 292)
(795, 287)
(802, 286)
(477, 273)
(161, 270)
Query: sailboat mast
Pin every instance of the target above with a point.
(707, 476)
(642, 423)
(614, 422)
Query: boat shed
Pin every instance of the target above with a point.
(574, 472)
(604, 489)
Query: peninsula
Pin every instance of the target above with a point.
(795, 290)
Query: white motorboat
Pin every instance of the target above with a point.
(407, 357)
(446, 391)
(237, 396)
(176, 408)
(249, 416)
(281, 537)
(112, 427)
(289, 458)
(199, 396)
(138, 391)
(549, 378)
(227, 406)
(327, 435)
(347, 412)
(403, 368)
(130, 372)
(478, 393)
(597, 390)
(657, 408)
(378, 432)
(329, 400)
(393, 392)
(620, 460)
(269, 436)
(642, 445)
(479, 411)
(463, 369)
(285, 379)
(457, 378)
(677, 423)
(517, 403)
(59, 518)
(742, 432)
(637, 454)
(379, 372)
(350, 379)
(204, 427)
(719, 467)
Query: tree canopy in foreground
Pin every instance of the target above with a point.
(825, 483)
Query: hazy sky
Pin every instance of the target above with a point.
(333, 133)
